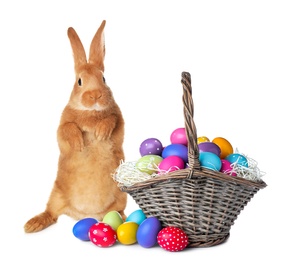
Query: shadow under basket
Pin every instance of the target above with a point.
(202, 202)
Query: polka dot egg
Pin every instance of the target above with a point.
(102, 234)
(172, 239)
(151, 146)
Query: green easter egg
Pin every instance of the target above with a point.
(113, 218)
(149, 163)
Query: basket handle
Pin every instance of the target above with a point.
(190, 128)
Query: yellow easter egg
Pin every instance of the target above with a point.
(126, 233)
(225, 146)
(202, 139)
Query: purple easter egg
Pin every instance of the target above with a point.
(151, 146)
(209, 147)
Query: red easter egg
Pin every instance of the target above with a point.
(172, 239)
(102, 235)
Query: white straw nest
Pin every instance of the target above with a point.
(127, 174)
(251, 172)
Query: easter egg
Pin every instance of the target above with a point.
(178, 136)
(226, 168)
(148, 163)
(113, 218)
(126, 233)
(237, 158)
(137, 216)
(176, 149)
(170, 164)
(202, 139)
(210, 160)
(209, 147)
(81, 228)
(151, 146)
(147, 232)
(225, 146)
(102, 235)
(172, 239)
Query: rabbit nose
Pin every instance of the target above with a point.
(94, 95)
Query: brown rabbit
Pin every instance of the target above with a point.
(90, 138)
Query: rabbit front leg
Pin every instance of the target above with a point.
(105, 127)
(70, 137)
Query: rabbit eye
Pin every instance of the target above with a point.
(104, 79)
(79, 82)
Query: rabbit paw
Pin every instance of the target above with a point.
(103, 132)
(105, 128)
(76, 142)
(69, 133)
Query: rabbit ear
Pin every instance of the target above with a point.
(77, 48)
(97, 49)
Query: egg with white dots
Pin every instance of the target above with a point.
(172, 239)
(151, 146)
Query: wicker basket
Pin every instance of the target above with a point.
(202, 202)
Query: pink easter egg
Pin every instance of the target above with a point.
(226, 168)
(170, 164)
(178, 136)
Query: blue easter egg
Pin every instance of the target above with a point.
(81, 228)
(136, 216)
(147, 232)
(238, 159)
(210, 160)
(179, 150)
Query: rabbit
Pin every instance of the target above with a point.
(90, 138)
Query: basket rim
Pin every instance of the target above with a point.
(203, 172)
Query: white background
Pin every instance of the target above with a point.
(240, 57)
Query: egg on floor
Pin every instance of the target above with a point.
(172, 239)
(147, 232)
(137, 216)
(102, 235)
(126, 233)
(113, 218)
(81, 228)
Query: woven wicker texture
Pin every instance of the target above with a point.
(202, 202)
